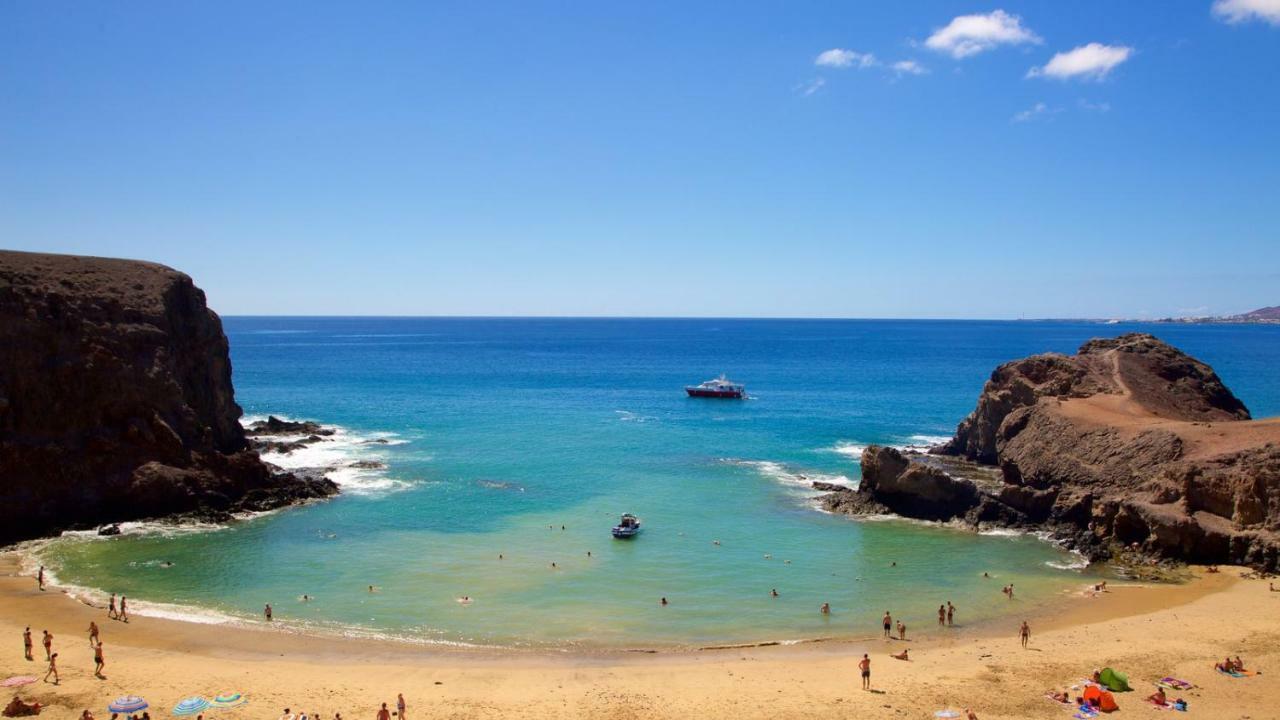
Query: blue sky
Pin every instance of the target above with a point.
(663, 158)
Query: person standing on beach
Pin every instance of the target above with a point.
(902, 631)
(98, 664)
(111, 608)
(26, 642)
(865, 666)
(48, 645)
(887, 621)
(124, 608)
(53, 669)
(40, 578)
(1024, 633)
(93, 633)
(400, 705)
(951, 613)
(267, 611)
(384, 713)
(942, 615)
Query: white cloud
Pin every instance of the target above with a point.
(840, 58)
(1238, 11)
(812, 86)
(1100, 107)
(909, 67)
(971, 34)
(1092, 61)
(1031, 113)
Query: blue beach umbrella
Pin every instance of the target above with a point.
(128, 704)
(229, 701)
(190, 706)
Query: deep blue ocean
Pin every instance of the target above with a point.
(496, 433)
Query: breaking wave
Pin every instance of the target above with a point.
(355, 461)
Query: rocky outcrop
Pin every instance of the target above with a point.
(1130, 442)
(116, 400)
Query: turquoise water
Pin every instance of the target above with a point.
(501, 431)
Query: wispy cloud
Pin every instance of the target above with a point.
(1099, 107)
(968, 35)
(908, 67)
(841, 58)
(810, 87)
(1031, 113)
(1091, 62)
(1238, 11)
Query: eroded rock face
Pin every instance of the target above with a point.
(1130, 441)
(116, 400)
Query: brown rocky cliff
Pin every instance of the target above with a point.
(116, 399)
(1128, 441)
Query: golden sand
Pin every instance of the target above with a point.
(1147, 632)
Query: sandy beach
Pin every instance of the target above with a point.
(1145, 631)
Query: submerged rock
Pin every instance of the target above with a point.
(118, 401)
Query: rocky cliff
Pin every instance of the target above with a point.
(116, 400)
(1129, 441)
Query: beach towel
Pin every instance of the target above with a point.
(1174, 683)
(1232, 673)
(1116, 682)
(1085, 713)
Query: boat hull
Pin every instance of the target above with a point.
(625, 533)
(725, 394)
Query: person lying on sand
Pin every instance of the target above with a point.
(901, 656)
(1062, 697)
(1158, 697)
(17, 708)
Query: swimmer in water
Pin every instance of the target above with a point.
(774, 592)
(826, 608)
(664, 602)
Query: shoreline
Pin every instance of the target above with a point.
(165, 660)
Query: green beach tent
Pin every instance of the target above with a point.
(1114, 681)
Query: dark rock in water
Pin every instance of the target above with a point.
(377, 441)
(367, 465)
(830, 487)
(275, 426)
(118, 401)
(1129, 443)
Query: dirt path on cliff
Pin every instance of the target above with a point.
(1122, 412)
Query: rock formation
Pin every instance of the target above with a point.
(1128, 441)
(116, 400)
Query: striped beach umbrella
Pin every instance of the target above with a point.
(17, 680)
(128, 704)
(228, 701)
(191, 706)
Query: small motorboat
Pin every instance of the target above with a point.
(627, 527)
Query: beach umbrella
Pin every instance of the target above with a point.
(190, 706)
(17, 680)
(128, 704)
(229, 700)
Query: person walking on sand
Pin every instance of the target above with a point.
(887, 622)
(40, 578)
(1024, 633)
(951, 613)
(384, 713)
(48, 645)
(93, 633)
(124, 608)
(111, 609)
(53, 669)
(864, 665)
(267, 611)
(400, 705)
(98, 663)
